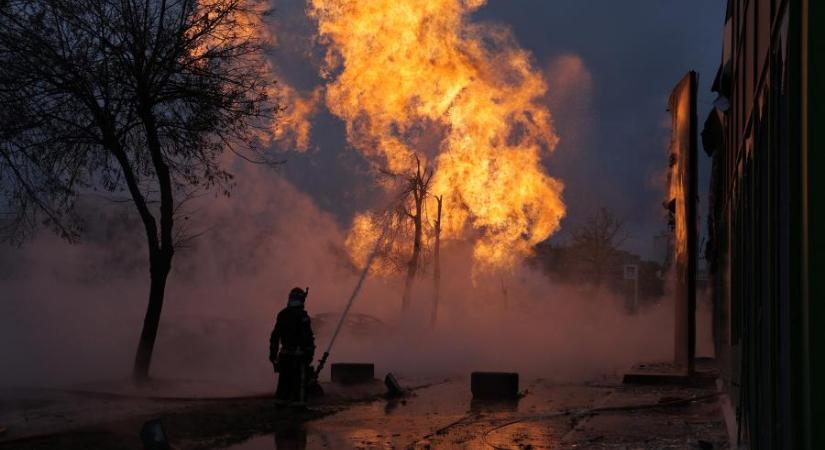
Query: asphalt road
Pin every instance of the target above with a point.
(549, 416)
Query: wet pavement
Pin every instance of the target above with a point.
(548, 416)
(440, 414)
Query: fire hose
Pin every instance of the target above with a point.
(352, 296)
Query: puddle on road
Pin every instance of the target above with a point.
(407, 423)
(282, 441)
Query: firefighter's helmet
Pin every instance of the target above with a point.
(298, 295)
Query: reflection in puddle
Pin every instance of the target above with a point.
(291, 438)
(492, 406)
(393, 404)
(416, 422)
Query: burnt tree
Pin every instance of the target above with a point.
(133, 96)
(417, 189)
(439, 199)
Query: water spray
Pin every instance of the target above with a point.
(352, 296)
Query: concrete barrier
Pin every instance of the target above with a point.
(494, 385)
(352, 373)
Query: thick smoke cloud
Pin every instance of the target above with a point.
(72, 313)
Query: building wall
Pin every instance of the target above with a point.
(763, 207)
(813, 36)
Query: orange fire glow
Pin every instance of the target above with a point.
(245, 20)
(680, 115)
(396, 67)
(293, 125)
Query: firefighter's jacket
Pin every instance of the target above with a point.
(292, 335)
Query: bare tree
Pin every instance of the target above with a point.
(439, 199)
(135, 96)
(406, 220)
(595, 243)
(417, 190)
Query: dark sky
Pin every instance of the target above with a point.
(613, 124)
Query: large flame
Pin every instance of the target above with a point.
(399, 66)
(245, 21)
(292, 127)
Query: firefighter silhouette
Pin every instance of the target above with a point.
(292, 348)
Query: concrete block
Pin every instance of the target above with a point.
(352, 373)
(494, 385)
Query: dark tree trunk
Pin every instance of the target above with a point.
(159, 243)
(160, 264)
(160, 250)
(412, 267)
(437, 263)
(505, 292)
(182, 72)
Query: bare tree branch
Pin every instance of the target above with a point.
(595, 243)
(136, 96)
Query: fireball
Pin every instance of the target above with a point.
(396, 67)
